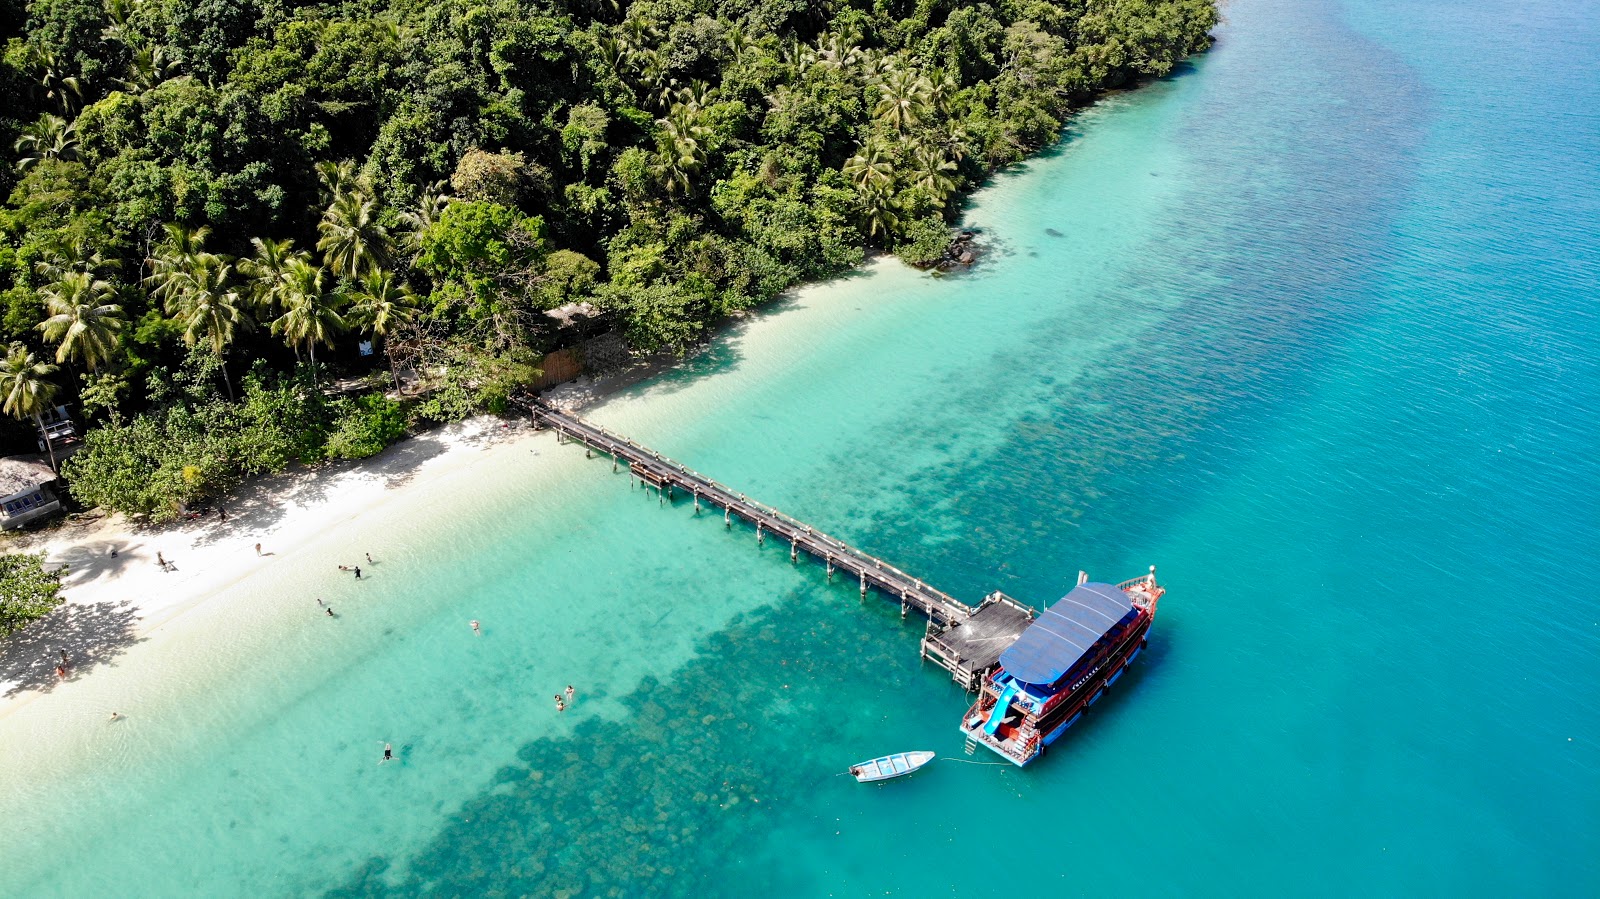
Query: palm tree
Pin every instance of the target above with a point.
(27, 393)
(338, 178)
(311, 314)
(414, 222)
(680, 153)
(932, 173)
(353, 241)
(872, 166)
(904, 99)
(65, 91)
(64, 256)
(149, 67)
(381, 303)
(83, 320)
(205, 302)
(52, 137)
(878, 211)
(265, 271)
(838, 51)
(174, 258)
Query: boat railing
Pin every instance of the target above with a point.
(1143, 580)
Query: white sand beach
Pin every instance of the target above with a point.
(116, 593)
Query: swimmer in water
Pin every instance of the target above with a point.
(561, 705)
(571, 693)
(388, 753)
(475, 629)
(115, 717)
(330, 610)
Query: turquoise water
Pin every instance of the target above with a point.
(1311, 325)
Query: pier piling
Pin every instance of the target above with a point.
(648, 468)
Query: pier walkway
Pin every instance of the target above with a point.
(963, 639)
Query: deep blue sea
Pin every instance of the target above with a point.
(1310, 324)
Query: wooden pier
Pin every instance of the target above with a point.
(965, 640)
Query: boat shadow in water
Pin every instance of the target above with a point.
(1124, 694)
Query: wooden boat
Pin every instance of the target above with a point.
(891, 766)
(1062, 664)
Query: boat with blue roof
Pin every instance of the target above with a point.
(1061, 664)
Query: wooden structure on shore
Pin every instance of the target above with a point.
(964, 640)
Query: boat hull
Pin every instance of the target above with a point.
(1026, 741)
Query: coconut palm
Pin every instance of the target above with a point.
(680, 153)
(353, 240)
(311, 314)
(904, 99)
(83, 321)
(149, 67)
(52, 137)
(380, 304)
(872, 166)
(206, 302)
(338, 178)
(416, 221)
(878, 211)
(26, 392)
(75, 254)
(174, 258)
(838, 51)
(265, 271)
(63, 90)
(931, 171)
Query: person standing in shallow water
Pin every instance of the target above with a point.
(571, 694)
(358, 572)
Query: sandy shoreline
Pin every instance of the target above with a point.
(111, 602)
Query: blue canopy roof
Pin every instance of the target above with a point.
(1051, 645)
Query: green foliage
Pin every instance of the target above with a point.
(925, 242)
(364, 426)
(241, 175)
(475, 382)
(28, 591)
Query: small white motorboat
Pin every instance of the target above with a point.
(891, 766)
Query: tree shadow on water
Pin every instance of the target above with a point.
(92, 635)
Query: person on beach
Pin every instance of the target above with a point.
(571, 693)
(258, 549)
(161, 560)
(64, 659)
(61, 672)
(475, 628)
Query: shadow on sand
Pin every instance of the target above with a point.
(92, 635)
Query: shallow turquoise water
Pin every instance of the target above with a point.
(1310, 325)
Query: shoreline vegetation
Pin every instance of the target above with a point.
(241, 238)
